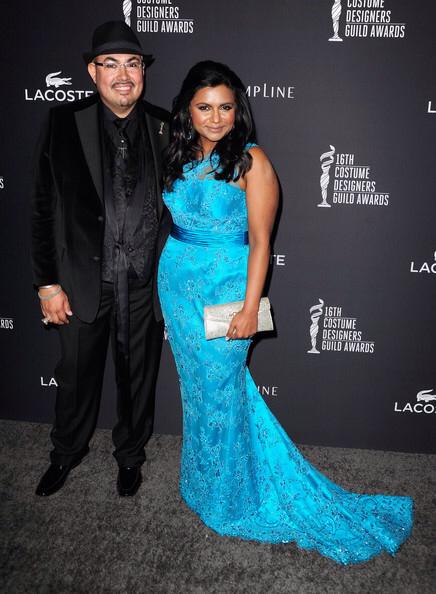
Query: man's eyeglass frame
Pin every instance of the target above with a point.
(134, 65)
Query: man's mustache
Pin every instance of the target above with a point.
(123, 82)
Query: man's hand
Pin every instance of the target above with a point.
(57, 309)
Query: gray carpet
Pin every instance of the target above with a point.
(86, 539)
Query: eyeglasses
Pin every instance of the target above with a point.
(134, 65)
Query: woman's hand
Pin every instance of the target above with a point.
(243, 325)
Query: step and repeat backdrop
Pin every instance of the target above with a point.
(344, 98)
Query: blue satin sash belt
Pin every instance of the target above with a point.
(206, 238)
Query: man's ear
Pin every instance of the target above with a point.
(92, 71)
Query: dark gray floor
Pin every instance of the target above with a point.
(86, 539)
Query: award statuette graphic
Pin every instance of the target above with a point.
(127, 11)
(326, 161)
(336, 13)
(315, 313)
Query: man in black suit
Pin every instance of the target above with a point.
(98, 226)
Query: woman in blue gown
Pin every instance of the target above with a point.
(240, 472)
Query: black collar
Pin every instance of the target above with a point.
(110, 116)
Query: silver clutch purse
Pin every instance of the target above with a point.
(217, 318)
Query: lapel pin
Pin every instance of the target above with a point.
(161, 128)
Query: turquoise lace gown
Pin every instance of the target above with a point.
(240, 472)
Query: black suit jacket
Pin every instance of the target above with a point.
(68, 215)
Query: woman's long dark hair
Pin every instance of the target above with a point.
(234, 160)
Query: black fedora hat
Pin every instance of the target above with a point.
(115, 37)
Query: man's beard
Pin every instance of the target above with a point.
(127, 101)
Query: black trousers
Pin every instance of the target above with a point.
(79, 375)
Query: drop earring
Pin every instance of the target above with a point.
(189, 135)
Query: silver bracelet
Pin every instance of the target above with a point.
(48, 286)
(50, 295)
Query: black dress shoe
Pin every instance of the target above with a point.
(54, 479)
(129, 479)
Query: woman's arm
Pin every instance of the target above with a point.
(262, 194)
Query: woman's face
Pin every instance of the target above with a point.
(212, 112)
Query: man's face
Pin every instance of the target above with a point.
(119, 86)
